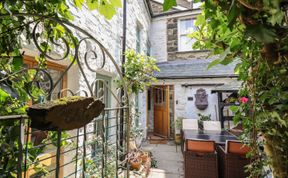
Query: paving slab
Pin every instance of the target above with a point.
(169, 161)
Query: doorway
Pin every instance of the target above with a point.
(161, 111)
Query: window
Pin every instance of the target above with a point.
(148, 53)
(55, 70)
(100, 85)
(197, 5)
(159, 96)
(185, 27)
(138, 39)
(37, 136)
(105, 95)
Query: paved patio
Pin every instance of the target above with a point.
(169, 162)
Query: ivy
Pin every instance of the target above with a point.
(139, 72)
(16, 83)
(254, 34)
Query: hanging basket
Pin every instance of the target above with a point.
(65, 113)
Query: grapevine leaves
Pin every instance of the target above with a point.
(168, 4)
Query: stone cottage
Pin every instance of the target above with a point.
(185, 84)
(162, 35)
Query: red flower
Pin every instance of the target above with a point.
(244, 99)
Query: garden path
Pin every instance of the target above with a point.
(169, 161)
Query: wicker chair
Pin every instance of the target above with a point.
(200, 159)
(188, 124)
(232, 160)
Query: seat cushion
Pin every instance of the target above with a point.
(236, 147)
(202, 146)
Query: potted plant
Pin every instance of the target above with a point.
(178, 127)
(203, 118)
(144, 156)
(135, 163)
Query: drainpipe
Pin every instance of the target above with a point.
(123, 70)
(124, 34)
(122, 119)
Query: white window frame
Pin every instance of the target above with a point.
(138, 38)
(179, 32)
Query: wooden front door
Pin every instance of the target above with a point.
(161, 110)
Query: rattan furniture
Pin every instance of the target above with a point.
(188, 124)
(200, 159)
(232, 160)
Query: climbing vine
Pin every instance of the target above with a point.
(254, 33)
(139, 71)
(17, 85)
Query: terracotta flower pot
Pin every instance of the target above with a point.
(144, 156)
(135, 164)
(178, 139)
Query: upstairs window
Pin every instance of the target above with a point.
(197, 5)
(185, 27)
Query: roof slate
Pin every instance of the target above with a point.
(231, 86)
(196, 68)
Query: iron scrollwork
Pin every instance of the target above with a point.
(83, 50)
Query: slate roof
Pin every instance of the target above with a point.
(228, 87)
(196, 68)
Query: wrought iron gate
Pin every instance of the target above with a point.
(96, 150)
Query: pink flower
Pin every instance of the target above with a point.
(244, 99)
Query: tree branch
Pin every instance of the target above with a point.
(249, 6)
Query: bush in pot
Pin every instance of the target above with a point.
(178, 127)
(203, 118)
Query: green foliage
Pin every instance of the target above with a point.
(104, 7)
(93, 164)
(255, 34)
(139, 70)
(203, 118)
(178, 123)
(16, 82)
(168, 4)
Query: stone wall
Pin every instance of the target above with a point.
(109, 33)
(187, 55)
(156, 7)
(172, 36)
(184, 3)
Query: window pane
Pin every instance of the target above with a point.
(138, 39)
(197, 5)
(185, 43)
(186, 26)
(55, 75)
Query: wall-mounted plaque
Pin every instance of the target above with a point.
(201, 99)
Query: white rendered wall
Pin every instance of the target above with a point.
(158, 37)
(187, 109)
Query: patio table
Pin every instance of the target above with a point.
(219, 137)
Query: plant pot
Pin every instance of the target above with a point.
(144, 156)
(65, 113)
(135, 164)
(178, 139)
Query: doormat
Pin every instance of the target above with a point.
(154, 139)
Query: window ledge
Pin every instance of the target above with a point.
(193, 51)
